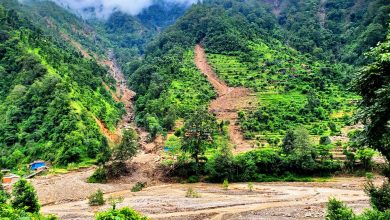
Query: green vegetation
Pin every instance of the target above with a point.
(169, 96)
(23, 204)
(225, 184)
(113, 162)
(250, 187)
(120, 214)
(298, 71)
(337, 210)
(24, 197)
(138, 186)
(372, 85)
(292, 90)
(379, 196)
(198, 134)
(294, 160)
(191, 193)
(51, 98)
(96, 199)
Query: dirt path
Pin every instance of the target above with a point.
(267, 201)
(229, 102)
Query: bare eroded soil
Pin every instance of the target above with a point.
(168, 201)
(229, 102)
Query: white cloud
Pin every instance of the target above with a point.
(104, 8)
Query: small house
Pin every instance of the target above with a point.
(10, 179)
(38, 165)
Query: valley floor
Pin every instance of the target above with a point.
(65, 196)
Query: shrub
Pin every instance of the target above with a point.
(379, 196)
(325, 140)
(96, 199)
(138, 186)
(365, 156)
(114, 201)
(3, 197)
(191, 193)
(250, 186)
(372, 214)
(121, 214)
(370, 176)
(25, 197)
(193, 179)
(225, 184)
(337, 210)
(220, 167)
(99, 176)
(116, 169)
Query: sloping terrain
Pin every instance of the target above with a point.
(229, 102)
(50, 96)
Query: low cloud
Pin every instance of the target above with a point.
(104, 8)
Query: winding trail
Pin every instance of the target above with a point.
(229, 102)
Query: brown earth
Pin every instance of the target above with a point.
(267, 201)
(230, 101)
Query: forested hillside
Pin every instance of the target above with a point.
(298, 57)
(51, 86)
(51, 98)
(285, 50)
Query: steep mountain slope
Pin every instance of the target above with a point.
(298, 67)
(332, 29)
(68, 48)
(50, 98)
(299, 73)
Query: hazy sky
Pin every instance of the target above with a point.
(103, 8)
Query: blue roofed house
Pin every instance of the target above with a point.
(38, 165)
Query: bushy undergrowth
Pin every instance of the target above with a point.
(191, 193)
(22, 205)
(379, 196)
(337, 210)
(96, 199)
(99, 176)
(138, 186)
(120, 214)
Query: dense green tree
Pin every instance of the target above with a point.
(128, 148)
(24, 197)
(199, 129)
(220, 167)
(3, 194)
(288, 144)
(374, 109)
(379, 196)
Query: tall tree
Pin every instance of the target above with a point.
(373, 84)
(128, 147)
(198, 133)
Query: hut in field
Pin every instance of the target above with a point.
(37, 165)
(10, 179)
